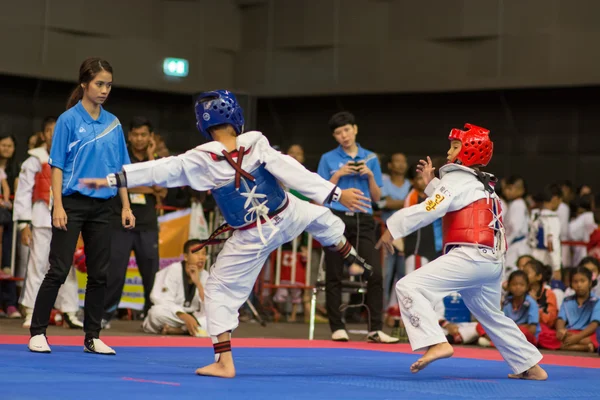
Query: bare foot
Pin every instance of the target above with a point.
(435, 352)
(170, 330)
(223, 368)
(535, 373)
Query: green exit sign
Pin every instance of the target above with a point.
(176, 67)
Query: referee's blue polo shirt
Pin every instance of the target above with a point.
(333, 160)
(86, 148)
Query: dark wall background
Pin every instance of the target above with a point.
(24, 102)
(543, 134)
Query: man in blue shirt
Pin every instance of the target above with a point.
(351, 166)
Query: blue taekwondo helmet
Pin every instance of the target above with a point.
(217, 108)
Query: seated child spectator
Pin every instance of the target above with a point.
(593, 265)
(578, 318)
(538, 275)
(178, 294)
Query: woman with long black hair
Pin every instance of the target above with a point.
(87, 141)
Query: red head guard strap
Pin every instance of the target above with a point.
(477, 148)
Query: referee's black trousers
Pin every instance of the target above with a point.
(360, 228)
(90, 217)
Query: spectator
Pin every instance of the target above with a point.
(143, 238)
(578, 317)
(582, 226)
(516, 220)
(8, 175)
(593, 247)
(544, 230)
(564, 216)
(499, 189)
(35, 140)
(178, 296)
(11, 168)
(539, 275)
(79, 209)
(297, 153)
(351, 166)
(32, 213)
(161, 149)
(583, 190)
(394, 192)
(593, 265)
(568, 194)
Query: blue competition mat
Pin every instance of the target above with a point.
(168, 373)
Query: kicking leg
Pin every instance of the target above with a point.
(328, 229)
(521, 356)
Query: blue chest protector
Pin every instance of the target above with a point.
(243, 206)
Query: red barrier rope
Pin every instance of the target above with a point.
(169, 208)
(573, 243)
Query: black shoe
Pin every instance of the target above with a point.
(71, 321)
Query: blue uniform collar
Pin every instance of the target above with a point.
(362, 153)
(87, 117)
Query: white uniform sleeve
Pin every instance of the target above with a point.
(556, 254)
(407, 220)
(431, 186)
(293, 174)
(22, 210)
(165, 292)
(188, 169)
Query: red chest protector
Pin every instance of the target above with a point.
(471, 224)
(43, 184)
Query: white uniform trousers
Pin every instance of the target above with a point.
(37, 266)
(477, 277)
(243, 256)
(160, 315)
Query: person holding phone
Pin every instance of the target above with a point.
(87, 141)
(351, 166)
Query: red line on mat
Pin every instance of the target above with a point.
(169, 341)
(125, 378)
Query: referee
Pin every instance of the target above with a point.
(351, 166)
(88, 141)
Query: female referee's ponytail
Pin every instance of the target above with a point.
(87, 72)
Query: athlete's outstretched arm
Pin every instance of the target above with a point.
(188, 169)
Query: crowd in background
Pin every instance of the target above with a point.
(545, 279)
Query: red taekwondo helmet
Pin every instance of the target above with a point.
(477, 148)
